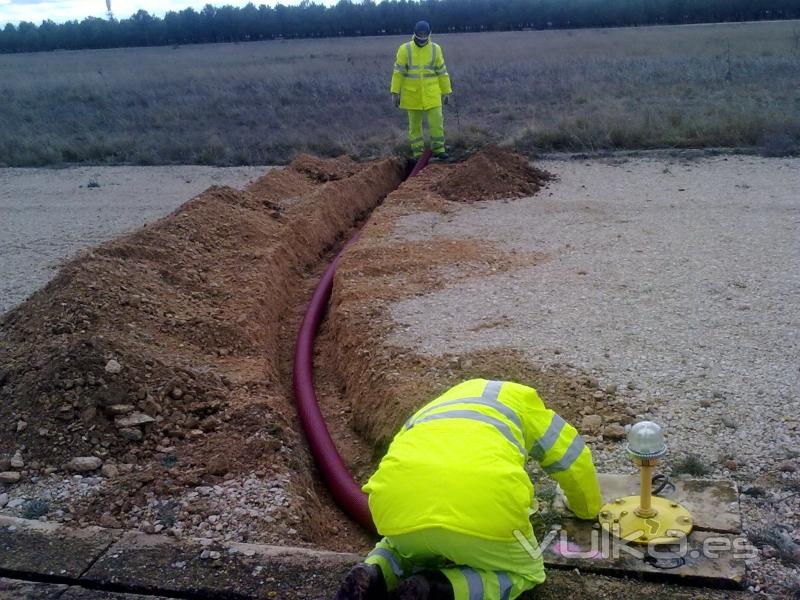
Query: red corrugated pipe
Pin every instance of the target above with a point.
(343, 487)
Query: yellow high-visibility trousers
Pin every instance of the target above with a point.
(476, 568)
(436, 126)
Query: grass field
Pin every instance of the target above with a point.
(726, 85)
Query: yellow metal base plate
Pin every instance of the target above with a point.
(671, 522)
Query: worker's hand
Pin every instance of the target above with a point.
(563, 497)
(446, 99)
(396, 99)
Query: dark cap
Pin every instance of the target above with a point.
(422, 29)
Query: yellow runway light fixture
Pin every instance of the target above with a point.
(646, 519)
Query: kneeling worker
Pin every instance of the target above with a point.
(452, 497)
(419, 82)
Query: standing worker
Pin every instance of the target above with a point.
(420, 84)
(452, 497)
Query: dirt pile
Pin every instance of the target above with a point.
(321, 170)
(384, 384)
(491, 174)
(304, 175)
(159, 352)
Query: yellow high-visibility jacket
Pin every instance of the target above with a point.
(459, 463)
(420, 76)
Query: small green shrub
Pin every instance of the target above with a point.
(691, 464)
(166, 514)
(169, 460)
(33, 509)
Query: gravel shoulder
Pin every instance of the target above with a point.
(46, 215)
(673, 280)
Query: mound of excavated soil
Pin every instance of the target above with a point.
(160, 352)
(490, 174)
(319, 169)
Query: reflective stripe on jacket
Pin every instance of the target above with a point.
(459, 463)
(420, 76)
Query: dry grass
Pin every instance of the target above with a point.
(728, 85)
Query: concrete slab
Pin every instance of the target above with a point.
(714, 504)
(15, 589)
(40, 548)
(158, 564)
(706, 558)
(713, 554)
(561, 584)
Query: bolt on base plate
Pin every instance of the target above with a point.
(671, 523)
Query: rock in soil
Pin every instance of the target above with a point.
(10, 477)
(84, 464)
(16, 461)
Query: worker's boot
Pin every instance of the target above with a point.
(431, 585)
(363, 582)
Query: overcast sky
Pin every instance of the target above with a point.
(14, 11)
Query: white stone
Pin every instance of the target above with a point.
(16, 460)
(113, 367)
(133, 420)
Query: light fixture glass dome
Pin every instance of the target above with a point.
(646, 440)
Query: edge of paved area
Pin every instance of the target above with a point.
(43, 561)
(117, 561)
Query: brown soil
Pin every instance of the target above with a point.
(192, 308)
(319, 169)
(201, 310)
(491, 174)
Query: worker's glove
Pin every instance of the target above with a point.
(446, 99)
(396, 99)
(560, 493)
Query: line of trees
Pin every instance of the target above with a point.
(347, 18)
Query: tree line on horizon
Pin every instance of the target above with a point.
(388, 17)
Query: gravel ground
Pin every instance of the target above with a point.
(47, 215)
(676, 280)
(232, 510)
